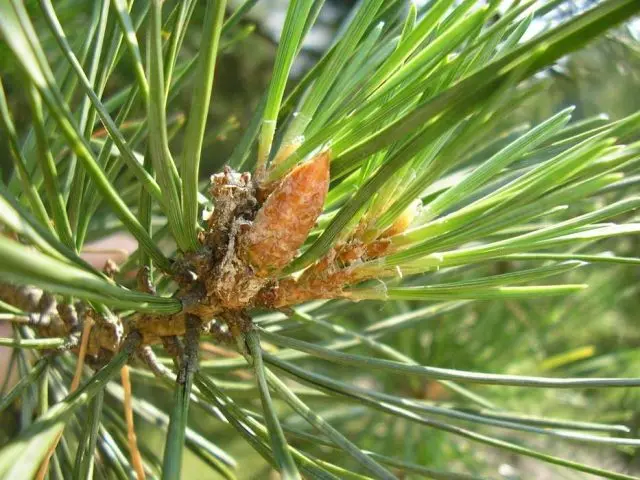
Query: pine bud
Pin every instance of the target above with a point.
(287, 216)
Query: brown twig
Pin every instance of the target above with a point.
(74, 385)
(136, 458)
(148, 356)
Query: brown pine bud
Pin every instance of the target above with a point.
(287, 216)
